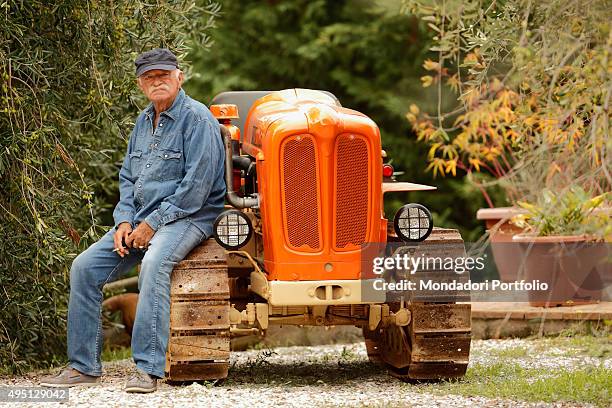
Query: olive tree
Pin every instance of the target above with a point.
(67, 105)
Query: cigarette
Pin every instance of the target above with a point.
(116, 249)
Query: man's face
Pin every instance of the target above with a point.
(159, 85)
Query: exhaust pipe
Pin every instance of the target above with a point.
(232, 197)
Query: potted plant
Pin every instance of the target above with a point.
(532, 107)
(564, 245)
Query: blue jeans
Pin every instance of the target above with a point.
(98, 265)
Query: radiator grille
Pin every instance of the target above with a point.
(301, 192)
(352, 198)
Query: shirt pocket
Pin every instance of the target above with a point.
(136, 162)
(169, 164)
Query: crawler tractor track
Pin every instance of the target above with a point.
(436, 343)
(199, 343)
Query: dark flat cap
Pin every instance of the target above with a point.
(157, 58)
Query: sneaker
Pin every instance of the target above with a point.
(69, 377)
(141, 382)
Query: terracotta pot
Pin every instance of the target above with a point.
(570, 265)
(506, 253)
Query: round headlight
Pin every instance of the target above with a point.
(232, 229)
(413, 222)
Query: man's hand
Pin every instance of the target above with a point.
(141, 236)
(121, 236)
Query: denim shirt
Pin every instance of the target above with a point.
(175, 170)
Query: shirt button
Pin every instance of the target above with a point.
(155, 145)
(161, 124)
(165, 156)
(148, 165)
(139, 184)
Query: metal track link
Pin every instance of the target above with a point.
(199, 343)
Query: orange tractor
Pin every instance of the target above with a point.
(305, 186)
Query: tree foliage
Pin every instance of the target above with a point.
(533, 87)
(67, 106)
(367, 53)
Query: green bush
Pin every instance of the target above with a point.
(67, 105)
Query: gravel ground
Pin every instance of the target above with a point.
(538, 354)
(332, 375)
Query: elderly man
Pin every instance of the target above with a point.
(171, 190)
